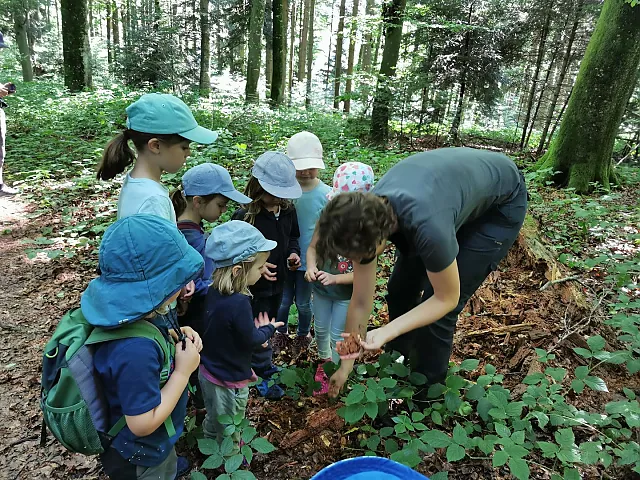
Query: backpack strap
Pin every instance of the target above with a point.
(138, 329)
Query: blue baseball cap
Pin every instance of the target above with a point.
(235, 241)
(144, 260)
(368, 468)
(164, 114)
(276, 173)
(209, 178)
(2, 44)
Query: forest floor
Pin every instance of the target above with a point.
(502, 324)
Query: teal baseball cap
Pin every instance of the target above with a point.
(164, 114)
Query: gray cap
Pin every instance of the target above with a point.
(277, 175)
(209, 178)
(2, 44)
(234, 242)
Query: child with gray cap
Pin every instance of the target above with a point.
(231, 332)
(271, 187)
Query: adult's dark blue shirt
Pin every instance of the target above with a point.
(230, 336)
(130, 373)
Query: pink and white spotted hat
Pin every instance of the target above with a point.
(352, 177)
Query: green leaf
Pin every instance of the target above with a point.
(371, 409)
(388, 382)
(519, 468)
(629, 393)
(460, 435)
(225, 419)
(569, 455)
(440, 476)
(515, 451)
(213, 462)
(514, 409)
(455, 382)
(198, 476)
(533, 379)
(436, 438)
(417, 416)
(500, 457)
(469, 365)
(571, 474)
(242, 475)
(354, 397)
(565, 437)
(557, 374)
(229, 430)
(498, 413)
(408, 457)
(224, 476)
(476, 392)
(386, 431)
(518, 437)
(596, 383)
(590, 452)
(633, 366)
(390, 446)
(549, 450)
(582, 372)
(226, 447)
(577, 385)
(502, 430)
(233, 463)
(247, 453)
(489, 369)
(436, 418)
(400, 370)
(208, 446)
(484, 406)
(452, 401)
(596, 343)
(543, 418)
(370, 395)
(583, 352)
(248, 434)
(417, 378)
(455, 452)
(262, 445)
(373, 442)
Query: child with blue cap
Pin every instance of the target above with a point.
(239, 253)
(271, 187)
(205, 191)
(144, 263)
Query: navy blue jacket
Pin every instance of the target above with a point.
(229, 336)
(197, 238)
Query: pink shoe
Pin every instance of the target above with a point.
(322, 379)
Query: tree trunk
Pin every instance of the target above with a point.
(292, 40)
(205, 48)
(256, 21)
(109, 45)
(20, 31)
(581, 152)
(541, 45)
(279, 49)
(367, 44)
(312, 8)
(374, 63)
(285, 45)
(74, 44)
(392, 15)
(563, 71)
(326, 78)
(352, 53)
(90, 9)
(457, 119)
(268, 36)
(304, 36)
(338, 59)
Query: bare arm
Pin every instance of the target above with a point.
(344, 279)
(312, 259)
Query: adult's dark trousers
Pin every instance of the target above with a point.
(483, 243)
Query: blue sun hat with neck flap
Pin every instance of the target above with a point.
(143, 260)
(368, 468)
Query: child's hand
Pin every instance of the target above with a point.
(192, 335)
(263, 320)
(294, 262)
(187, 360)
(349, 348)
(267, 274)
(311, 275)
(187, 291)
(326, 279)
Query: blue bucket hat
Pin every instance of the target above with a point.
(234, 242)
(207, 179)
(144, 260)
(368, 468)
(164, 114)
(2, 44)
(276, 173)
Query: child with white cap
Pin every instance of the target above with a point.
(305, 150)
(271, 188)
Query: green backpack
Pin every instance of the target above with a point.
(72, 400)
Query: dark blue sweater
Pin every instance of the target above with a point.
(197, 238)
(229, 336)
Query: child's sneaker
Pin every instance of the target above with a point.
(322, 378)
(183, 467)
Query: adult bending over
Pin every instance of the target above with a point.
(452, 214)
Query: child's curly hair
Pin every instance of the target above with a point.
(352, 225)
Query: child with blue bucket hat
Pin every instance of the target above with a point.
(204, 194)
(144, 263)
(231, 333)
(271, 188)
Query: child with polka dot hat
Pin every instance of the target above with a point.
(333, 285)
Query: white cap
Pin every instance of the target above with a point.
(305, 149)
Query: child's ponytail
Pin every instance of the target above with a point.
(179, 201)
(117, 156)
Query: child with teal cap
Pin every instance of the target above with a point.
(161, 128)
(144, 263)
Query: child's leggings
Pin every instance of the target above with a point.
(330, 316)
(221, 401)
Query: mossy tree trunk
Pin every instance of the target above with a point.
(581, 152)
(75, 41)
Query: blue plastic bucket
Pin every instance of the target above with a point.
(368, 468)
